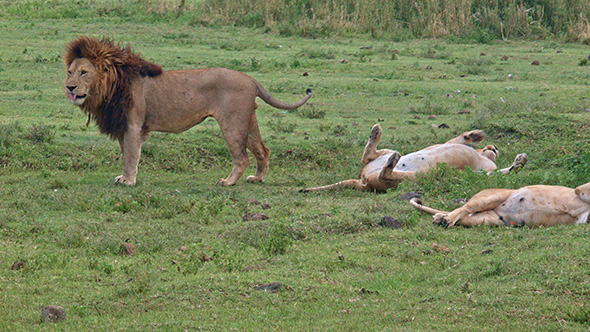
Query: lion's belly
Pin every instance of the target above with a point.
(538, 206)
(456, 155)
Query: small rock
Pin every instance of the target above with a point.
(18, 265)
(505, 57)
(254, 216)
(431, 117)
(443, 126)
(465, 111)
(305, 74)
(340, 257)
(183, 248)
(205, 257)
(389, 222)
(482, 54)
(409, 195)
(53, 314)
(252, 201)
(344, 61)
(416, 117)
(273, 287)
(487, 251)
(587, 110)
(127, 248)
(265, 206)
(536, 63)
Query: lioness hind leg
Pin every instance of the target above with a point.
(260, 151)
(371, 153)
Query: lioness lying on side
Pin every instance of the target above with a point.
(531, 206)
(385, 168)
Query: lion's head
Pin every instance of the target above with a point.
(99, 78)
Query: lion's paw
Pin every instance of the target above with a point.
(441, 219)
(254, 179)
(393, 159)
(122, 179)
(520, 161)
(375, 132)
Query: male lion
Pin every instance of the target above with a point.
(129, 97)
(385, 168)
(531, 206)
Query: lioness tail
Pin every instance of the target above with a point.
(417, 203)
(264, 95)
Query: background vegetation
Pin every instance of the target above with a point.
(467, 20)
(201, 262)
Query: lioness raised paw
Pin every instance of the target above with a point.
(393, 160)
(520, 161)
(122, 179)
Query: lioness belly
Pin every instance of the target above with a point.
(456, 155)
(530, 206)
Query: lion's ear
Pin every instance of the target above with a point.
(149, 69)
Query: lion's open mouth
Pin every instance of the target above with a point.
(74, 97)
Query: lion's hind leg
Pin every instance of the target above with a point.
(260, 151)
(371, 152)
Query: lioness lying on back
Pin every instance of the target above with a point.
(531, 206)
(385, 168)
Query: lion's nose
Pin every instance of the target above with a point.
(72, 87)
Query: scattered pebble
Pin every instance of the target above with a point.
(389, 222)
(205, 257)
(443, 126)
(536, 63)
(53, 314)
(18, 265)
(409, 195)
(127, 248)
(273, 287)
(431, 117)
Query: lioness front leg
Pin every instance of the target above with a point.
(131, 149)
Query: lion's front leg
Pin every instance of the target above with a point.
(131, 149)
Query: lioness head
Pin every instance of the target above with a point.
(583, 192)
(81, 78)
(491, 152)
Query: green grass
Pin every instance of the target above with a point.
(340, 271)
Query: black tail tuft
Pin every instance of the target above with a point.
(308, 91)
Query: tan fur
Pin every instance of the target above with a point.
(532, 206)
(384, 169)
(129, 97)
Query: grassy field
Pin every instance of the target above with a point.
(199, 265)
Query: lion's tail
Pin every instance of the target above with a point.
(262, 93)
(417, 203)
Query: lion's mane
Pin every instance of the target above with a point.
(110, 99)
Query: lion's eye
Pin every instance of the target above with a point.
(69, 73)
(83, 72)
